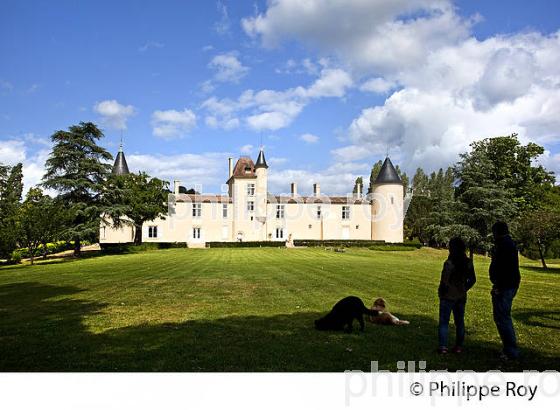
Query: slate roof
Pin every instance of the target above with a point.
(388, 174)
(120, 167)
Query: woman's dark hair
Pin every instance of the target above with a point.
(500, 228)
(457, 249)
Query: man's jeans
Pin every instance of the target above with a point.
(501, 302)
(445, 308)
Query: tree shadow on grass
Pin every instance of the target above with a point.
(540, 318)
(539, 269)
(41, 329)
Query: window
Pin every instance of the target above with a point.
(196, 233)
(392, 201)
(250, 206)
(197, 210)
(251, 189)
(224, 210)
(247, 170)
(319, 212)
(152, 232)
(345, 212)
(103, 232)
(279, 211)
(279, 233)
(310, 226)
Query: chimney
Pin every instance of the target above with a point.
(294, 189)
(316, 190)
(358, 191)
(176, 185)
(230, 161)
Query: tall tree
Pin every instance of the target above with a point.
(359, 183)
(39, 221)
(134, 199)
(541, 228)
(11, 188)
(77, 168)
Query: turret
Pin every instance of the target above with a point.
(120, 167)
(261, 169)
(388, 203)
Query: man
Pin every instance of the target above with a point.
(505, 277)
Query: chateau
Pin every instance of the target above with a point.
(248, 212)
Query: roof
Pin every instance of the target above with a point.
(323, 199)
(261, 160)
(388, 174)
(244, 168)
(202, 198)
(120, 167)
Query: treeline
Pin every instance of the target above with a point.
(79, 171)
(498, 179)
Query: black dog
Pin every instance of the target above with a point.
(344, 313)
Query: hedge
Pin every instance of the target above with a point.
(115, 248)
(246, 244)
(349, 243)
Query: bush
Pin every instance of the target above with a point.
(246, 244)
(394, 247)
(15, 258)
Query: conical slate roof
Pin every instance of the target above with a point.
(261, 161)
(120, 167)
(388, 174)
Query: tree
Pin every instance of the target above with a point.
(11, 188)
(541, 227)
(134, 199)
(77, 168)
(38, 221)
(359, 183)
(498, 181)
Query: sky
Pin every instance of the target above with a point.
(326, 87)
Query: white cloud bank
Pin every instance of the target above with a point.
(270, 109)
(444, 87)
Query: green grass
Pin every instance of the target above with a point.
(253, 310)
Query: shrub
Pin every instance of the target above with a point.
(15, 257)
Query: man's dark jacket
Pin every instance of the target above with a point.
(504, 268)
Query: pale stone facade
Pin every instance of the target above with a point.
(250, 213)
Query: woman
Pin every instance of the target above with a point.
(457, 278)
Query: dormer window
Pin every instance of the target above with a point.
(247, 170)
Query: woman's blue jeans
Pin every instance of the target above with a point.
(445, 308)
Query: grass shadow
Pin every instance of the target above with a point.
(42, 329)
(540, 318)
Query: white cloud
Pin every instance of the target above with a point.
(382, 34)
(114, 114)
(337, 179)
(272, 110)
(172, 123)
(378, 85)
(451, 88)
(246, 149)
(309, 138)
(223, 25)
(6, 86)
(228, 68)
(207, 169)
(12, 152)
(150, 45)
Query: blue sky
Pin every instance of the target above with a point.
(326, 87)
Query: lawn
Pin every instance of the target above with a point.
(253, 310)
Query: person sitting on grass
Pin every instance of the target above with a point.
(457, 278)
